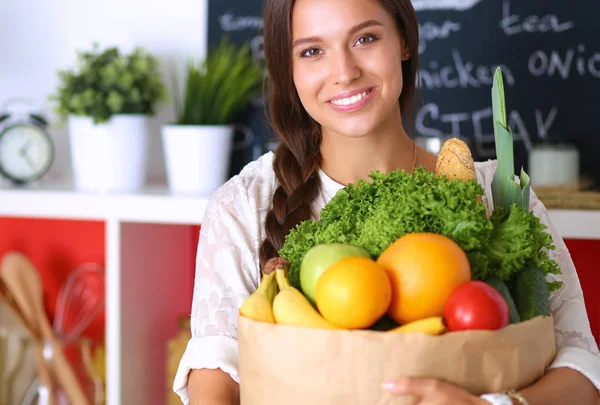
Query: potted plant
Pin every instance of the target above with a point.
(108, 99)
(198, 145)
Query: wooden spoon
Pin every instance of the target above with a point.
(22, 279)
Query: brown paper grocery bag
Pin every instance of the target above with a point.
(287, 365)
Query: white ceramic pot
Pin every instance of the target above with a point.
(109, 157)
(197, 157)
(554, 165)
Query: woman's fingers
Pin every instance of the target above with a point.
(421, 387)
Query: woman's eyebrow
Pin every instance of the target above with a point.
(357, 27)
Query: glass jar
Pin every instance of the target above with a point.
(78, 354)
(16, 372)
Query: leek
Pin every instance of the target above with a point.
(505, 190)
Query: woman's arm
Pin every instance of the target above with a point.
(226, 273)
(212, 387)
(562, 386)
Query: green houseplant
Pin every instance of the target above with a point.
(197, 146)
(108, 98)
(108, 82)
(217, 88)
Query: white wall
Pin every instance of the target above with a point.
(39, 36)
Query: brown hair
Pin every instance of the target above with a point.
(297, 157)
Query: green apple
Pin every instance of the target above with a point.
(318, 259)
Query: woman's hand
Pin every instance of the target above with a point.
(430, 391)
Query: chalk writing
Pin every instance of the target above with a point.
(431, 122)
(544, 124)
(511, 24)
(429, 31)
(542, 63)
(257, 45)
(229, 22)
(460, 74)
(458, 5)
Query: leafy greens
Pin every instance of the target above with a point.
(374, 214)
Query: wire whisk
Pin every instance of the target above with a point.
(79, 302)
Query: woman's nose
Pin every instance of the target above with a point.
(345, 69)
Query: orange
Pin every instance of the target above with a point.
(353, 293)
(424, 268)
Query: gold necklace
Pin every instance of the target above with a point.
(415, 159)
(416, 153)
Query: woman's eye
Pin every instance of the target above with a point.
(365, 39)
(307, 53)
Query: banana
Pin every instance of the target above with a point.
(273, 287)
(258, 306)
(290, 306)
(430, 326)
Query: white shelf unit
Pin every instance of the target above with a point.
(147, 263)
(145, 248)
(576, 224)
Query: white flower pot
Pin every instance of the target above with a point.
(109, 157)
(197, 157)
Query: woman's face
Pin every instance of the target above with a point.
(347, 63)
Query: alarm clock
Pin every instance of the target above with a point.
(26, 148)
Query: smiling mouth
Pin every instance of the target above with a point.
(353, 103)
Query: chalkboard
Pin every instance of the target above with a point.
(549, 52)
(241, 21)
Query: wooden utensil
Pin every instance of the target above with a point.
(22, 279)
(42, 366)
(88, 363)
(12, 305)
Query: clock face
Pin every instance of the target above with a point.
(25, 152)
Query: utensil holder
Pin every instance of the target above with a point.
(13, 347)
(73, 353)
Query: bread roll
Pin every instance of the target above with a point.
(455, 161)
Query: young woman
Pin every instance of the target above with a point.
(342, 73)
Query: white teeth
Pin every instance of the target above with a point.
(350, 100)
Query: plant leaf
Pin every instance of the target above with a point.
(222, 85)
(505, 190)
(498, 103)
(525, 183)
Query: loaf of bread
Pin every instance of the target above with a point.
(455, 161)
